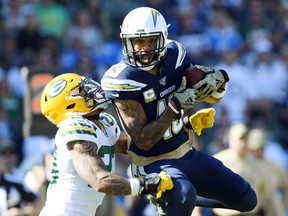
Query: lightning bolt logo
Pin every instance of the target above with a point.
(154, 16)
(121, 85)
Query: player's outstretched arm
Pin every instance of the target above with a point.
(92, 170)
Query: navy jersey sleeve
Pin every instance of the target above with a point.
(121, 82)
(183, 59)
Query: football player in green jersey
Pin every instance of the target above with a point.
(85, 143)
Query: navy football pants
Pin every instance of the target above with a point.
(201, 174)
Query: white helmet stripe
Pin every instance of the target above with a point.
(181, 55)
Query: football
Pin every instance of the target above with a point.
(193, 75)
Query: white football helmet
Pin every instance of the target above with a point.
(144, 22)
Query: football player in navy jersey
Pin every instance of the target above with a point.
(150, 94)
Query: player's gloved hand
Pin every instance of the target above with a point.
(184, 98)
(153, 184)
(204, 118)
(212, 82)
(166, 183)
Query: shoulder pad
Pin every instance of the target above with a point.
(77, 128)
(181, 54)
(77, 123)
(107, 119)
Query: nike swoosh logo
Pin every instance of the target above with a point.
(114, 94)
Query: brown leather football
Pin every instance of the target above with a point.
(193, 75)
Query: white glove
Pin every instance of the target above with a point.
(212, 82)
(184, 98)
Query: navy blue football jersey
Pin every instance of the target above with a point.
(125, 82)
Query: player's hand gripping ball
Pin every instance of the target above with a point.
(193, 75)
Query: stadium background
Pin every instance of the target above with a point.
(42, 38)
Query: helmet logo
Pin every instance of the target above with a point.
(57, 88)
(154, 15)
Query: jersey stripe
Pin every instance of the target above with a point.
(78, 130)
(121, 85)
(181, 54)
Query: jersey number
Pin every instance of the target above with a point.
(107, 154)
(176, 125)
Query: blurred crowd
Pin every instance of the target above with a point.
(247, 38)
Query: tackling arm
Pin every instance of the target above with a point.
(92, 170)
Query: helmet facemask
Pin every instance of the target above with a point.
(134, 57)
(92, 93)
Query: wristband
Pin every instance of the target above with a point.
(218, 95)
(135, 186)
(173, 108)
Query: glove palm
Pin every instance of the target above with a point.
(204, 118)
